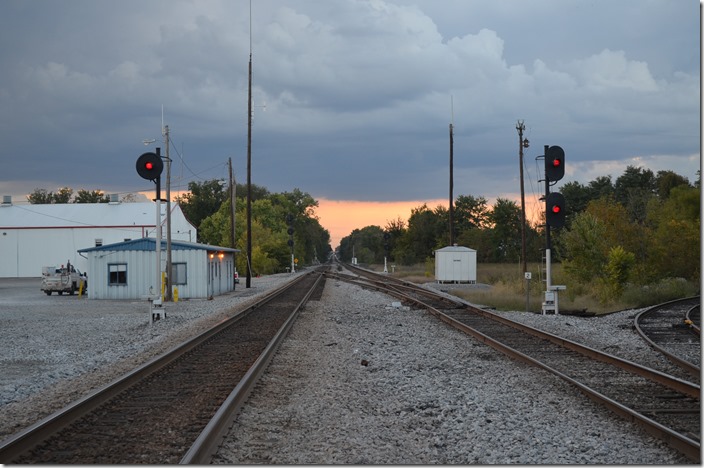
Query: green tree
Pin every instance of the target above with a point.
(505, 219)
(40, 197)
(94, 196)
(396, 229)
(633, 190)
(314, 241)
(63, 195)
(258, 192)
(442, 216)
(270, 251)
(365, 244)
(471, 212)
(202, 200)
(215, 229)
(601, 187)
(603, 247)
(480, 240)
(577, 196)
(586, 246)
(617, 270)
(666, 181)
(311, 240)
(423, 235)
(675, 237)
(619, 230)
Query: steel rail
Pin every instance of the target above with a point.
(680, 442)
(34, 434)
(682, 363)
(207, 443)
(695, 321)
(669, 381)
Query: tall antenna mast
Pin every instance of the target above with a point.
(452, 122)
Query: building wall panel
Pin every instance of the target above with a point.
(205, 276)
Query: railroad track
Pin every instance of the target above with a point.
(665, 406)
(673, 328)
(176, 407)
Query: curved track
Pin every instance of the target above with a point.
(672, 328)
(158, 412)
(665, 406)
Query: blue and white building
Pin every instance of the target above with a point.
(127, 270)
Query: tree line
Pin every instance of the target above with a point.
(637, 229)
(207, 205)
(65, 195)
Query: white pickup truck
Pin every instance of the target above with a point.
(65, 279)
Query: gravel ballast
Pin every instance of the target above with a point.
(357, 381)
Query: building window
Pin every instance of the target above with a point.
(98, 242)
(117, 274)
(178, 270)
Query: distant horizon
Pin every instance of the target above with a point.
(341, 217)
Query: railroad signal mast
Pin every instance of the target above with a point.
(387, 249)
(554, 217)
(150, 167)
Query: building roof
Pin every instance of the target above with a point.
(455, 248)
(148, 244)
(72, 215)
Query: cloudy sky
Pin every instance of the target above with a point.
(353, 98)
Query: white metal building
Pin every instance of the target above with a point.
(33, 236)
(127, 270)
(456, 264)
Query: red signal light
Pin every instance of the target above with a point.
(554, 164)
(554, 210)
(149, 166)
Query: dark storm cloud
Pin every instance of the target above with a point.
(347, 94)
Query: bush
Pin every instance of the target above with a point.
(665, 290)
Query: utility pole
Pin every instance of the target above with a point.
(249, 158)
(232, 205)
(522, 144)
(452, 221)
(169, 280)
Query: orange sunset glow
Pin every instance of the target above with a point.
(341, 217)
